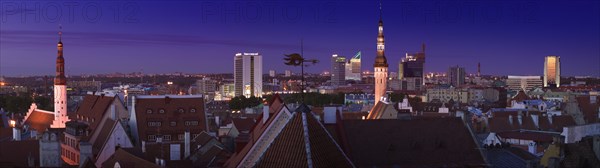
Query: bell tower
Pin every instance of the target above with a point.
(60, 88)
(381, 65)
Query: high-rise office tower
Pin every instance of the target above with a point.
(353, 68)
(456, 76)
(338, 70)
(411, 69)
(248, 74)
(381, 65)
(552, 71)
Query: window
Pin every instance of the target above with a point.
(161, 111)
(191, 123)
(149, 111)
(154, 124)
(180, 137)
(151, 137)
(167, 137)
(181, 110)
(173, 123)
(193, 110)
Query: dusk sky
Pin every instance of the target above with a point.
(508, 38)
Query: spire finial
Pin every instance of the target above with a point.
(380, 10)
(59, 32)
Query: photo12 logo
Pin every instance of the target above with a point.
(68, 12)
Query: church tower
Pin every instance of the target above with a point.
(60, 88)
(381, 65)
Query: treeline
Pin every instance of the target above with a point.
(20, 104)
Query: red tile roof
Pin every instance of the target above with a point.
(243, 124)
(589, 109)
(535, 136)
(167, 109)
(16, 153)
(40, 120)
(289, 147)
(428, 142)
(126, 159)
(521, 96)
(92, 108)
(275, 106)
(501, 124)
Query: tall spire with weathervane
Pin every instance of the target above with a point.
(60, 87)
(381, 65)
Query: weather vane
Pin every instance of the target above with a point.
(59, 32)
(296, 59)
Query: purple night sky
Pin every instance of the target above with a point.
(507, 37)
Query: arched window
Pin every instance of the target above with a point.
(161, 111)
(193, 110)
(149, 111)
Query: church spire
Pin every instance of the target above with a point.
(380, 60)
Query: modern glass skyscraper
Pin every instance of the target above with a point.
(353, 68)
(456, 76)
(552, 71)
(248, 74)
(338, 70)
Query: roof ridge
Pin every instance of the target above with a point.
(336, 143)
(307, 141)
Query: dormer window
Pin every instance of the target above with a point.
(149, 111)
(181, 110)
(161, 111)
(193, 110)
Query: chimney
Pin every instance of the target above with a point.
(510, 119)
(265, 114)
(520, 118)
(186, 137)
(592, 99)
(143, 146)
(218, 120)
(329, 116)
(85, 151)
(16, 134)
(536, 120)
(113, 112)
(550, 118)
(532, 148)
(33, 134)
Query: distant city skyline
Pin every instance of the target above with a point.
(200, 37)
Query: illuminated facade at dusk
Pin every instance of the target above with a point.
(60, 89)
(381, 65)
(552, 71)
(248, 74)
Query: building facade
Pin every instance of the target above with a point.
(411, 69)
(353, 68)
(456, 76)
(248, 74)
(552, 71)
(526, 83)
(338, 70)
